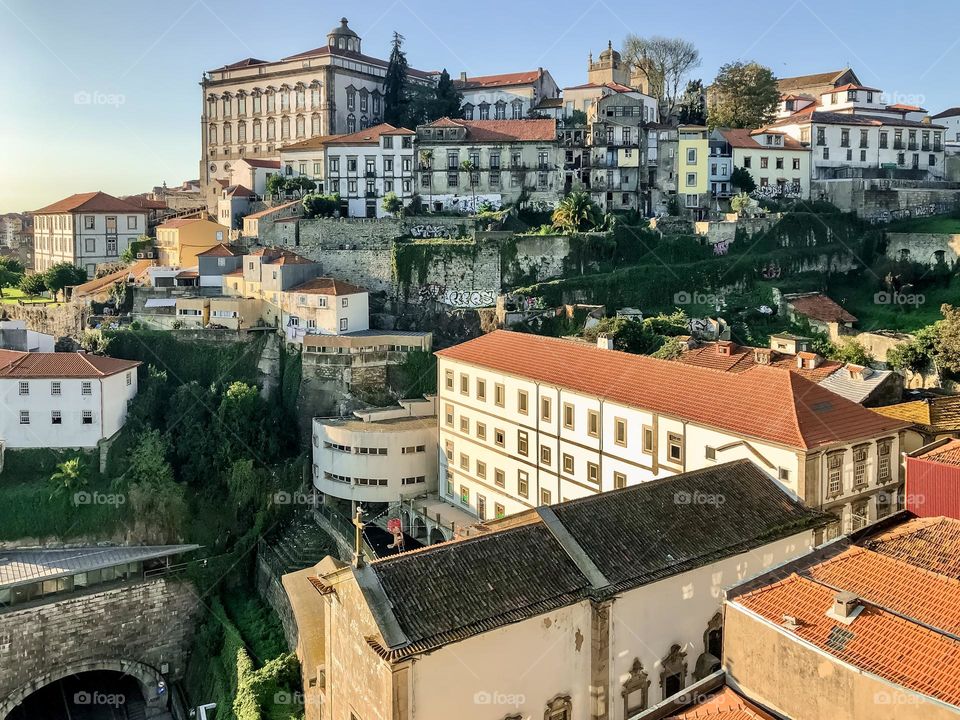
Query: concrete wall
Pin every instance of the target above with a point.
(884, 199)
(149, 622)
(56, 320)
(921, 247)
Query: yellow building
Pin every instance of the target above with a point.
(693, 169)
(180, 241)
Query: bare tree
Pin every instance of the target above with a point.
(665, 63)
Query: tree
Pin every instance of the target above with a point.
(63, 275)
(129, 253)
(276, 185)
(449, 100)
(693, 104)
(11, 272)
(473, 173)
(741, 179)
(426, 165)
(320, 205)
(391, 203)
(395, 84)
(298, 185)
(577, 212)
(151, 489)
(745, 95)
(71, 475)
(851, 351)
(575, 118)
(946, 344)
(664, 62)
(33, 284)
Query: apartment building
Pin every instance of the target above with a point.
(778, 164)
(508, 96)
(85, 229)
(506, 158)
(527, 420)
(63, 400)
(180, 241)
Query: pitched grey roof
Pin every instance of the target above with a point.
(591, 547)
(858, 390)
(25, 566)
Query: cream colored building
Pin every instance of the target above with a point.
(778, 164)
(508, 157)
(509, 96)
(180, 241)
(85, 230)
(597, 608)
(252, 107)
(527, 420)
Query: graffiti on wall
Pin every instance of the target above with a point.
(433, 231)
(916, 211)
(721, 248)
(786, 191)
(433, 292)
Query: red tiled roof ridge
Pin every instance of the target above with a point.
(514, 78)
(73, 365)
(96, 201)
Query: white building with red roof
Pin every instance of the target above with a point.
(252, 107)
(507, 96)
(85, 229)
(63, 400)
(778, 164)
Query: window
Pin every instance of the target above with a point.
(675, 447)
(499, 511)
(883, 461)
(783, 474)
(523, 483)
(834, 474)
(593, 472)
(691, 156)
(448, 415)
(499, 478)
(522, 402)
(87, 417)
(481, 470)
(465, 424)
(546, 456)
(481, 389)
(343, 324)
(859, 466)
(481, 507)
(481, 431)
(545, 496)
(448, 379)
(647, 439)
(86, 388)
(764, 163)
(593, 423)
(55, 418)
(88, 220)
(448, 449)
(568, 463)
(522, 442)
(498, 437)
(464, 495)
(620, 431)
(859, 516)
(498, 395)
(24, 388)
(568, 416)
(464, 384)
(464, 461)
(710, 453)
(619, 480)
(345, 302)
(24, 417)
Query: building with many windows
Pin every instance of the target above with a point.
(509, 96)
(778, 164)
(85, 229)
(63, 400)
(494, 161)
(252, 107)
(528, 420)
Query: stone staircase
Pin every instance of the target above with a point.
(302, 544)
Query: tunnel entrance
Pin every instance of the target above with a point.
(95, 695)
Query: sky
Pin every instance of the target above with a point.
(104, 94)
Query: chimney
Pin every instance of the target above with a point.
(605, 341)
(463, 76)
(859, 372)
(724, 347)
(846, 607)
(762, 356)
(790, 622)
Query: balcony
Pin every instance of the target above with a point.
(371, 173)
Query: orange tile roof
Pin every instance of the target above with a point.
(907, 108)
(257, 162)
(219, 250)
(327, 286)
(920, 594)
(763, 402)
(8, 356)
(877, 641)
(369, 136)
(65, 365)
(134, 271)
(740, 138)
(271, 210)
(280, 256)
(850, 86)
(725, 704)
(928, 543)
(820, 307)
(946, 454)
(90, 202)
(314, 143)
(540, 130)
(178, 223)
(742, 357)
(502, 80)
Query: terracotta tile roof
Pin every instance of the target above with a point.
(726, 704)
(802, 81)
(948, 113)
(820, 307)
(539, 130)
(928, 543)
(239, 191)
(219, 250)
(271, 210)
(133, 272)
(327, 286)
(65, 365)
(920, 594)
(90, 202)
(187, 274)
(257, 162)
(246, 62)
(145, 203)
(946, 454)
(906, 108)
(314, 143)
(369, 136)
(503, 80)
(763, 402)
(850, 86)
(637, 535)
(744, 139)
(8, 356)
(877, 641)
(743, 357)
(280, 256)
(178, 223)
(935, 414)
(836, 118)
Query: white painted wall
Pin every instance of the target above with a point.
(65, 237)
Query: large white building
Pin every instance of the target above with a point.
(85, 229)
(252, 107)
(63, 400)
(508, 96)
(527, 420)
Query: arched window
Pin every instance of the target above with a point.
(315, 96)
(315, 124)
(351, 98)
(635, 690)
(241, 132)
(284, 128)
(377, 99)
(484, 111)
(351, 124)
(560, 708)
(500, 110)
(364, 123)
(212, 139)
(227, 134)
(271, 129)
(468, 112)
(517, 109)
(709, 660)
(364, 99)
(673, 675)
(256, 130)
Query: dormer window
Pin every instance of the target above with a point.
(852, 95)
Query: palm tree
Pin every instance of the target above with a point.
(426, 165)
(468, 167)
(70, 476)
(577, 212)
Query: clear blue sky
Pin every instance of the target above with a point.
(141, 63)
